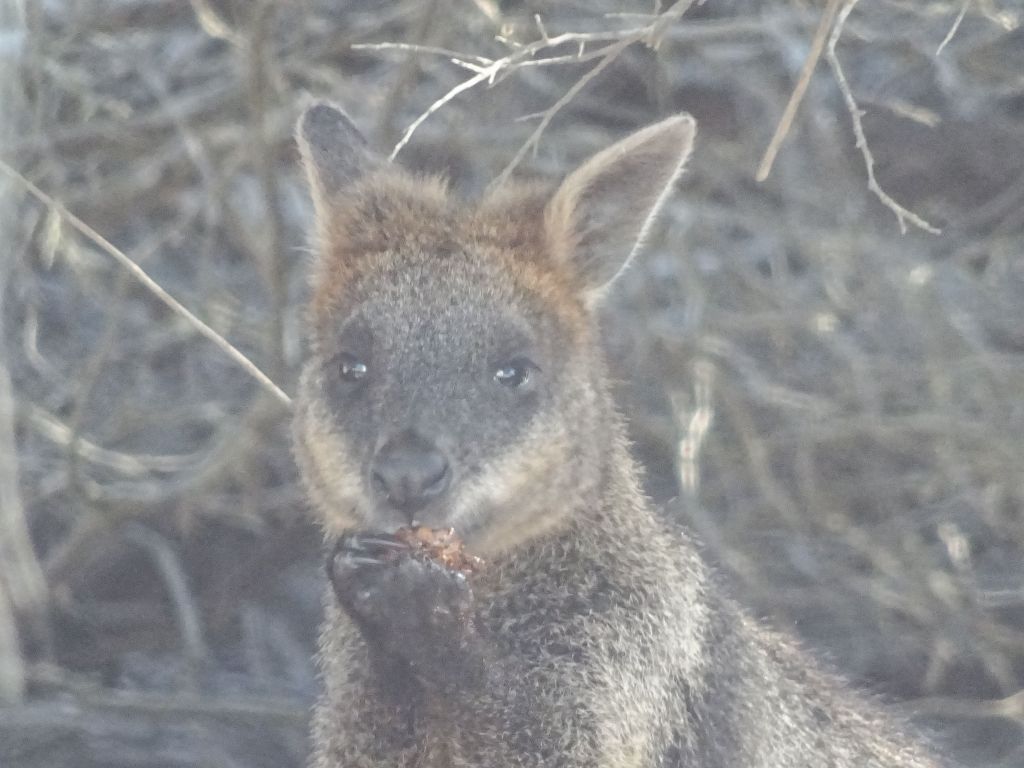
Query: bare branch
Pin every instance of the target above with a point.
(549, 114)
(521, 56)
(152, 285)
(24, 594)
(795, 98)
(902, 214)
(465, 85)
(168, 565)
(465, 60)
(131, 464)
(171, 705)
(952, 30)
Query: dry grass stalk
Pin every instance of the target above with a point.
(902, 214)
(152, 285)
(23, 591)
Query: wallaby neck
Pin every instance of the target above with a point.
(603, 515)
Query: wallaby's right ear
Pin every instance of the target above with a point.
(598, 217)
(334, 152)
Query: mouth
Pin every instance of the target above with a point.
(459, 508)
(379, 515)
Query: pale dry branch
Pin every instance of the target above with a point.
(693, 421)
(902, 214)
(468, 61)
(258, 65)
(24, 594)
(952, 30)
(172, 573)
(213, 24)
(152, 285)
(23, 591)
(522, 56)
(130, 464)
(486, 74)
(86, 693)
(428, 29)
(12, 669)
(650, 34)
(1009, 707)
(803, 81)
(549, 114)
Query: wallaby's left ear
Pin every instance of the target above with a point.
(334, 152)
(597, 218)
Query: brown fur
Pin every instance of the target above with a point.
(393, 212)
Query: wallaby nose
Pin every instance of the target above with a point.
(409, 471)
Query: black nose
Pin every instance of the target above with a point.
(409, 471)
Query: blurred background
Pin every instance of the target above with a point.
(836, 407)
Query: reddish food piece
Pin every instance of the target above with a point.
(440, 545)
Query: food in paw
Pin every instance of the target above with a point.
(439, 545)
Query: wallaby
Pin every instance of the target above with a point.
(455, 379)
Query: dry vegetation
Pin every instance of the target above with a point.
(836, 407)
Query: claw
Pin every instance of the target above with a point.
(363, 549)
(368, 543)
(376, 540)
(356, 560)
(361, 542)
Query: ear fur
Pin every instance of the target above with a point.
(334, 152)
(598, 217)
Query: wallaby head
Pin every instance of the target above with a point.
(455, 377)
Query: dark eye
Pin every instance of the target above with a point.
(516, 373)
(352, 368)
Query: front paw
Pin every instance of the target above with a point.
(407, 606)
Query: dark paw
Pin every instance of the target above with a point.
(407, 606)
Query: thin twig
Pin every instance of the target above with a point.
(902, 214)
(213, 24)
(152, 285)
(693, 425)
(12, 667)
(132, 464)
(580, 57)
(426, 31)
(652, 34)
(810, 63)
(168, 565)
(954, 28)
(172, 705)
(1010, 707)
(460, 59)
(90, 378)
(465, 85)
(270, 256)
(549, 114)
(24, 594)
(619, 39)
